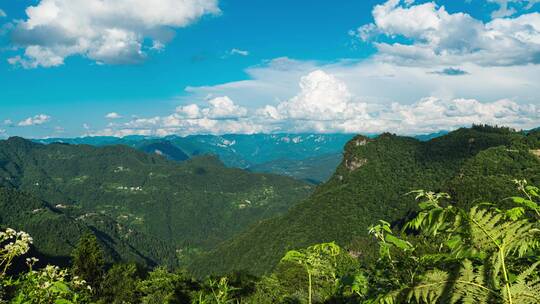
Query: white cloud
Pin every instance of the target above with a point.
(240, 52)
(2, 13)
(191, 111)
(322, 97)
(510, 7)
(439, 37)
(113, 115)
(34, 121)
(219, 115)
(219, 108)
(324, 103)
(8, 122)
(380, 82)
(223, 108)
(111, 32)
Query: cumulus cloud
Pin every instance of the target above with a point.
(322, 97)
(218, 108)
(219, 115)
(510, 7)
(440, 37)
(324, 103)
(376, 81)
(34, 121)
(113, 115)
(110, 32)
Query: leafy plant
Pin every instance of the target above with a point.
(318, 260)
(484, 256)
(88, 261)
(50, 285)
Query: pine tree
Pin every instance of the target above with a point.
(88, 262)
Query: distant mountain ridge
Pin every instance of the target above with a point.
(308, 157)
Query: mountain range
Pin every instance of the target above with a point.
(309, 157)
(142, 206)
(371, 183)
(185, 207)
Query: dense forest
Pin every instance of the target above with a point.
(142, 207)
(368, 235)
(309, 157)
(442, 254)
(471, 164)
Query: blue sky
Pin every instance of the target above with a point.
(266, 66)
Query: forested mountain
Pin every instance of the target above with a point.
(296, 155)
(164, 148)
(371, 183)
(316, 169)
(234, 150)
(142, 206)
(308, 157)
(57, 233)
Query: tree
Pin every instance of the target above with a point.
(120, 284)
(88, 262)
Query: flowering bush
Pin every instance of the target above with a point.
(48, 285)
(12, 244)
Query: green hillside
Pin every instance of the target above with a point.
(316, 170)
(57, 234)
(143, 206)
(370, 184)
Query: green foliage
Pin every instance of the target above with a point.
(316, 170)
(442, 254)
(162, 287)
(50, 285)
(159, 287)
(470, 164)
(318, 260)
(120, 284)
(484, 255)
(142, 208)
(87, 260)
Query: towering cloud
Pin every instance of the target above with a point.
(325, 104)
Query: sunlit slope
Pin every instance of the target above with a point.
(371, 183)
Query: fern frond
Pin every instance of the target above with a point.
(389, 298)
(489, 232)
(526, 291)
(470, 287)
(430, 288)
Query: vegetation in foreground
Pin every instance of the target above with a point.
(442, 254)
